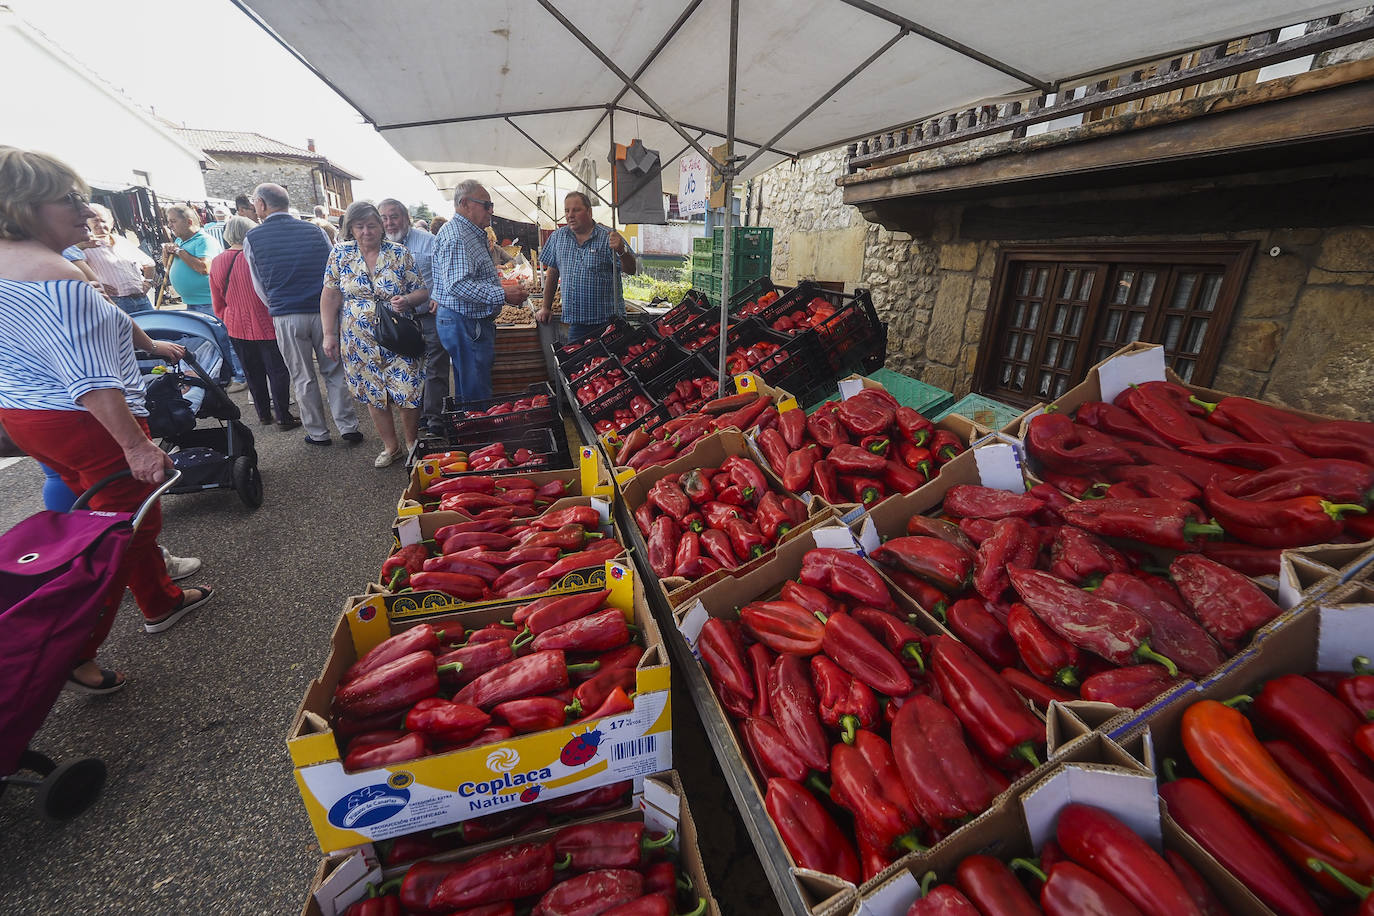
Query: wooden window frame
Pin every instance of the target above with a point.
(1235, 256)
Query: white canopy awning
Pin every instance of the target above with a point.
(474, 86)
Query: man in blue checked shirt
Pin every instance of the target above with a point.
(589, 259)
(468, 291)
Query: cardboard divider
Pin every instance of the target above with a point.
(347, 809)
(660, 803)
(710, 451)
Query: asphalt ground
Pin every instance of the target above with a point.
(200, 814)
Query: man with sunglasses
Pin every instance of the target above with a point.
(468, 292)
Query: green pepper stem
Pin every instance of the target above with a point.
(448, 831)
(684, 881)
(1239, 699)
(820, 785)
(926, 881)
(1345, 880)
(1208, 406)
(1337, 510)
(1193, 530)
(388, 887)
(1067, 676)
(659, 843)
(910, 843)
(574, 708)
(451, 668)
(395, 579)
(525, 638)
(1362, 665)
(848, 728)
(821, 616)
(699, 908)
(506, 623)
(938, 611)
(1026, 752)
(564, 863)
(1031, 866)
(1169, 768)
(912, 651)
(585, 666)
(1146, 652)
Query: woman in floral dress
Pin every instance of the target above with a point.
(363, 269)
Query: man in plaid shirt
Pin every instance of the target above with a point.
(468, 292)
(590, 259)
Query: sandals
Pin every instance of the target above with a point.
(181, 610)
(110, 682)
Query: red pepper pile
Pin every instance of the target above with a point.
(578, 371)
(858, 450)
(564, 659)
(1289, 812)
(1270, 478)
(643, 449)
(760, 356)
(759, 304)
(622, 417)
(475, 494)
(805, 316)
(1094, 865)
(507, 824)
(675, 320)
(688, 394)
(530, 403)
(600, 384)
(495, 457)
(605, 868)
(1061, 612)
(714, 518)
(639, 349)
(503, 557)
(828, 678)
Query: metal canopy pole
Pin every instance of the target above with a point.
(543, 149)
(727, 174)
(523, 194)
(611, 115)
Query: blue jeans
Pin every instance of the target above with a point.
(580, 331)
(134, 304)
(471, 344)
(57, 496)
(222, 339)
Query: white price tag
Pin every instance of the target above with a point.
(1344, 632)
(408, 531)
(999, 467)
(1121, 372)
(692, 622)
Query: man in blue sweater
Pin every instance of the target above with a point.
(287, 257)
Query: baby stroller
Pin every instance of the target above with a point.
(54, 573)
(216, 456)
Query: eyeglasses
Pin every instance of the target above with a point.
(485, 204)
(76, 199)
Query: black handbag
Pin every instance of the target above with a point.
(398, 333)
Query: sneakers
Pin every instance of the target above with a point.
(387, 458)
(236, 387)
(354, 437)
(325, 441)
(179, 568)
(186, 607)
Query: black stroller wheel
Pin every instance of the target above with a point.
(248, 481)
(70, 789)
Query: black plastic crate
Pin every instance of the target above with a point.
(854, 339)
(604, 408)
(804, 369)
(542, 441)
(690, 307)
(573, 362)
(591, 376)
(690, 333)
(697, 367)
(751, 291)
(469, 419)
(658, 359)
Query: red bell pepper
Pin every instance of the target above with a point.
(811, 835)
(1227, 604)
(1220, 829)
(772, 754)
(1252, 420)
(1259, 455)
(783, 626)
(746, 416)
(864, 416)
(773, 518)
(527, 676)
(668, 498)
(368, 756)
(597, 632)
(716, 543)
(928, 526)
(917, 458)
(1170, 523)
(607, 844)
(993, 888)
(1173, 633)
(596, 555)
(945, 565)
(1334, 479)
(591, 893)
(1106, 628)
(841, 573)
(1130, 687)
(458, 585)
(970, 501)
(760, 659)
(942, 775)
(971, 621)
(1080, 557)
(723, 656)
(586, 516)
(1012, 543)
(533, 714)
(1071, 890)
(1062, 445)
(931, 599)
(792, 699)
(1037, 692)
(663, 537)
(940, 900)
(545, 614)
(652, 454)
(1305, 773)
(422, 638)
(878, 445)
(913, 426)
(1045, 654)
(441, 720)
(792, 426)
(1118, 421)
(989, 708)
(812, 599)
(746, 540)
(798, 465)
(774, 448)
(1162, 414)
(1293, 522)
(1296, 709)
(865, 780)
(474, 659)
(845, 702)
(851, 459)
(908, 644)
(826, 429)
(824, 481)
(476, 483)
(747, 475)
(866, 491)
(395, 686)
(945, 446)
(1112, 851)
(898, 478)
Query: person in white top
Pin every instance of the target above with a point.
(124, 271)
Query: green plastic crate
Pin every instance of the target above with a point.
(701, 262)
(702, 245)
(914, 393)
(749, 239)
(983, 411)
(747, 265)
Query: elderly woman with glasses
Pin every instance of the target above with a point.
(365, 269)
(71, 394)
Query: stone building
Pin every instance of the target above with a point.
(1229, 221)
(244, 160)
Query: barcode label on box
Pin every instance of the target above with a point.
(637, 748)
(640, 756)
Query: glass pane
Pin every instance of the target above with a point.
(1076, 326)
(1012, 340)
(1025, 347)
(1006, 373)
(1133, 330)
(1023, 285)
(1086, 289)
(1173, 325)
(1066, 357)
(1061, 314)
(1145, 288)
(1121, 295)
(1034, 320)
(1070, 281)
(1211, 288)
(1061, 385)
(1197, 332)
(1184, 368)
(1020, 379)
(1019, 316)
(1113, 324)
(1043, 386)
(1051, 351)
(1183, 291)
(1103, 353)
(1041, 278)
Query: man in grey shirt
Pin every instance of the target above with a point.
(398, 228)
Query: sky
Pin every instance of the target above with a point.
(204, 64)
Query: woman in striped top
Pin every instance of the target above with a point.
(71, 394)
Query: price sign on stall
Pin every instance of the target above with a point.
(693, 184)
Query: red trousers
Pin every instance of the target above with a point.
(73, 443)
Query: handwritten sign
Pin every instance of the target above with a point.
(693, 184)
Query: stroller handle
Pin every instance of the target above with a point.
(147, 504)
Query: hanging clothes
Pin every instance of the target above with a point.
(638, 185)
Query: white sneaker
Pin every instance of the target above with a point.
(236, 387)
(387, 458)
(179, 568)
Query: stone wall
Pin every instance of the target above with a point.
(241, 174)
(1302, 332)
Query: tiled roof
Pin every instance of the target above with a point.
(247, 143)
